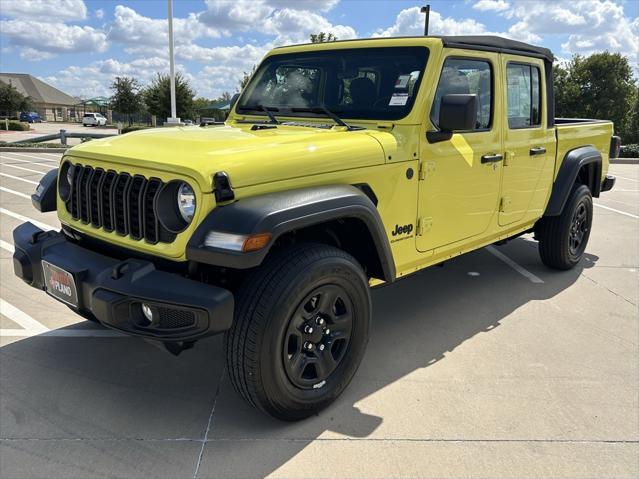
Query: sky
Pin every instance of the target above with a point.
(80, 46)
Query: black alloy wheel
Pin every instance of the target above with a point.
(317, 336)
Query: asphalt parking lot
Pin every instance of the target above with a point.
(492, 366)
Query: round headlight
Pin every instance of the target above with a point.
(186, 202)
(66, 181)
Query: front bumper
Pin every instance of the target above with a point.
(112, 291)
(608, 183)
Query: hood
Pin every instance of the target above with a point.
(249, 157)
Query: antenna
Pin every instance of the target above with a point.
(426, 10)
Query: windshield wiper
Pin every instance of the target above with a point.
(322, 109)
(265, 109)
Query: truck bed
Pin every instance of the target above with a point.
(572, 133)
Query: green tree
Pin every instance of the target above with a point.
(245, 78)
(322, 37)
(126, 97)
(632, 135)
(11, 100)
(157, 97)
(600, 86)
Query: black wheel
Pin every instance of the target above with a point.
(300, 331)
(563, 238)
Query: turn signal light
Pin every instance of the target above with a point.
(256, 242)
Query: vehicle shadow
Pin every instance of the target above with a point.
(123, 388)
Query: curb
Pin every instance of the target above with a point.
(624, 161)
(33, 150)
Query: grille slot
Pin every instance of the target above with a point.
(117, 202)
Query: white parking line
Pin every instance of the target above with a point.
(20, 217)
(7, 246)
(520, 269)
(626, 178)
(23, 168)
(13, 192)
(617, 211)
(46, 165)
(24, 155)
(18, 178)
(30, 325)
(35, 328)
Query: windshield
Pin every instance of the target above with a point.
(361, 83)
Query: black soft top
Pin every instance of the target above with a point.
(498, 44)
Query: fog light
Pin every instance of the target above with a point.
(148, 312)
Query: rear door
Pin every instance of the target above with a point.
(458, 191)
(526, 137)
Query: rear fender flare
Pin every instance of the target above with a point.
(573, 162)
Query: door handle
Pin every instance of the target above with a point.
(492, 158)
(538, 150)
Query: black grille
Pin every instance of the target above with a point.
(175, 318)
(117, 202)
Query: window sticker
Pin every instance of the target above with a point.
(402, 82)
(398, 99)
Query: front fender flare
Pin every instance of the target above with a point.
(285, 211)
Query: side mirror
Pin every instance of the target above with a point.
(458, 112)
(233, 100)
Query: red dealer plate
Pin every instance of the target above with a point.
(60, 284)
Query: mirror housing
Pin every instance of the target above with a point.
(458, 112)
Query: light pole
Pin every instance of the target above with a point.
(173, 119)
(426, 10)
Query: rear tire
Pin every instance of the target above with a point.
(563, 238)
(300, 331)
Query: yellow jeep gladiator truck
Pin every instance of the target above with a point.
(341, 166)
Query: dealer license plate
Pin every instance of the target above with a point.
(60, 284)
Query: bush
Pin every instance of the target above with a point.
(629, 151)
(128, 129)
(15, 126)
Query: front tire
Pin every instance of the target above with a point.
(300, 331)
(563, 238)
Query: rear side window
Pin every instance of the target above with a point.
(466, 76)
(524, 95)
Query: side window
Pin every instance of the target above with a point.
(466, 76)
(524, 95)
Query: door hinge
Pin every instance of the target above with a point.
(426, 168)
(423, 225)
(504, 203)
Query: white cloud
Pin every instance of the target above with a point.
(93, 80)
(135, 30)
(50, 38)
(99, 14)
(411, 22)
(32, 54)
(591, 26)
(491, 5)
(238, 15)
(295, 26)
(48, 10)
(310, 5)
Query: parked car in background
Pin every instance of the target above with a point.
(94, 119)
(30, 117)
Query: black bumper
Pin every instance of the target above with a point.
(112, 291)
(608, 183)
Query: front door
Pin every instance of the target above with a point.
(525, 137)
(460, 177)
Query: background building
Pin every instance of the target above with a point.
(51, 103)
